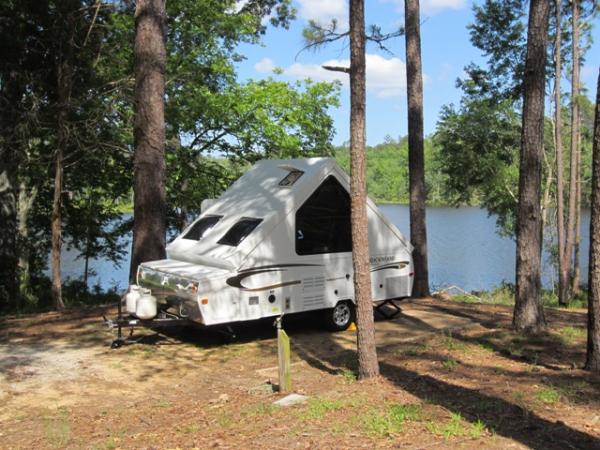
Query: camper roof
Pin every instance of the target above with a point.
(268, 191)
(250, 210)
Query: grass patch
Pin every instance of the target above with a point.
(477, 429)
(578, 302)
(225, 421)
(548, 395)
(486, 348)
(466, 298)
(57, 429)
(163, 404)
(452, 428)
(415, 349)
(262, 409)
(457, 427)
(502, 295)
(348, 375)
(451, 344)
(318, 407)
(570, 335)
(580, 391)
(191, 428)
(390, 420)
(450, 364)
(112, 441)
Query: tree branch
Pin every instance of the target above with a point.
(337, 69)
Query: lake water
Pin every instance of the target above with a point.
(464, 251)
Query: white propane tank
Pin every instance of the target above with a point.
(146, 305)
(131, 298)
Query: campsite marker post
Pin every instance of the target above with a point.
(283, 353)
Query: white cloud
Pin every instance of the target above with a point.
(324, 10)
(265, 65)
(385, 77)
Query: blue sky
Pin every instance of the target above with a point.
(445, 46)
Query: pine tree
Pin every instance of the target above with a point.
(414, 85)
(593, 340)
(149, 133)
(529, 313)
(367, 352)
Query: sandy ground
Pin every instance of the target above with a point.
(453, 376)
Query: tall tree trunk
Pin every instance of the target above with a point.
(11, 149)
(593, 341)
(368, 366)
(24, 204)
(547, 188)
(576, 244)
(64, 87)
(149, 133)
(57, 225)
(529, 313)
(416, 157)
(9, 289)
(563, 263)
(569, 243)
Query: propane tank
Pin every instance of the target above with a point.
(146, 307)
(131, 298)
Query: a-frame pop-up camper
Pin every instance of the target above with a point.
(277, 241)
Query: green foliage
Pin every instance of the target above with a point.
(499, 32)
(387, 171)
(44, 39)
(480, 156)
(215, 126)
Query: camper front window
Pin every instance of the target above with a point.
(201, 227)
(323, 221)
(238, 232)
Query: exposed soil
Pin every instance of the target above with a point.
(475, 385)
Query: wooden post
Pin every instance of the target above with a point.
(283, 352)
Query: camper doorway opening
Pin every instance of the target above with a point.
(277, 241)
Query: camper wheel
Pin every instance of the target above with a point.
(340, 316)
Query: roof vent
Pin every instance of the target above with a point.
(291, 178)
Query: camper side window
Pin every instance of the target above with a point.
(201, 227)
(323, 221)
(238, 232)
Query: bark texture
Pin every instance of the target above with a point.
(64, 89)
(149, 134)
(563, 263)
(528, 313)
(416, 158)
(368, 365)
(10, 162)
(571, 224)
(593, 342)
(25, 202)
(576, 281)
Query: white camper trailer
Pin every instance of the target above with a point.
(278, 241)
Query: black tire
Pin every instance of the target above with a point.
(340, 316)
